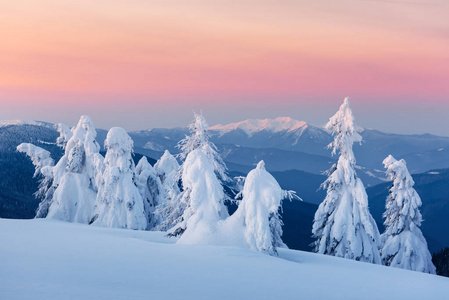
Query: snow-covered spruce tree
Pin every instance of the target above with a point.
(151, 190)
(403, 245)
(342, 225)
(203, 198)
(199, 139)
(76, 174)
(169, 210)
(43, 164)
(119, 203)
(68, 190)
(259, 211)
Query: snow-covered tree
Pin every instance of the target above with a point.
(151, 190)
(403, 244)
(199, 139)
(259, 211)
(170, 210)
(43, 164)
(343, 225)
(76, 174)
(165, 166)
(119, 203)
(203, 199)
(68, 189)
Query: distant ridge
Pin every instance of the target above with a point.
(25, 122)
(252, 126)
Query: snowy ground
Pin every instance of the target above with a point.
(46, 259)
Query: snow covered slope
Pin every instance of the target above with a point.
(44, 259)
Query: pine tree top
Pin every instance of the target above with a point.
(342, 126)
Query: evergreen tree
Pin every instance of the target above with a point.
(203, 199)
(119, 203)
(197, 142)
(151, 190)
(76, 174)
(170, 210)
(43, 164)
(342, 225)
(441, 262)
(404, 246)
(259, 211)
(68, 189)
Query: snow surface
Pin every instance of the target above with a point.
(252, 126)
(50, 259)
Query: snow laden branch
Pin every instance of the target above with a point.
(403, 245)
(342, 225)
(43, 164)
(40, 158)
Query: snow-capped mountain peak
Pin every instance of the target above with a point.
(4, 123)
(252, 126)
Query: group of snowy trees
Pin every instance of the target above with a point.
(343, 226)
(186, 200)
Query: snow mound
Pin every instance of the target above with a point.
(48, 259)
(252, 126)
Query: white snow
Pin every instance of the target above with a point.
(41, 158)
(25, 122)
(153, 146)
(252, 126)
(49, 259)
(203, 197)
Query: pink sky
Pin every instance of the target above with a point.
(155, 60)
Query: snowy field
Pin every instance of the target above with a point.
(47, 259)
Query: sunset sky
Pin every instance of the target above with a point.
(142, 64)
